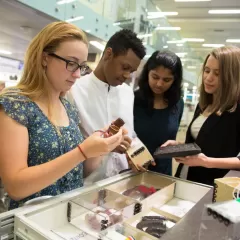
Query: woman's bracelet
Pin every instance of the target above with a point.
(80, 149)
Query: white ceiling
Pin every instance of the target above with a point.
(13, 16)
(195, 22)
(193, 18)
(18, 25)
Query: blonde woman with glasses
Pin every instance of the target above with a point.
(216, 123)
(42, 150)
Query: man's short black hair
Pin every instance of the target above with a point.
(124, 40)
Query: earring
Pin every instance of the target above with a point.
(44, 66)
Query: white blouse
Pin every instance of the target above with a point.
(195, 129)
(196, 125)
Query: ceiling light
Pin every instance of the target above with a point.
(213, 45)
(5, 52)
(189, 59)
(191, 67)
(168, 28)
(147, 56)
(185, 84)
(165, 46)
(75, 19)
(193, 40)
(88, 31)
(162, 13)
(153, 15)
(179, 44)
(181, 54)
(65, 1)
(193, 0)
(170, 13)
(175, 41)
(97, 45)
(233, 40)
(116, 24)
(144, 35)
(224, 11)
(26, 28)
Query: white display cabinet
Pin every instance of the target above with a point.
(67, 216)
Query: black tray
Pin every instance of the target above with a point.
(180, 150)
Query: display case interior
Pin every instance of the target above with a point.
(89, 215)
(146, 187)
(170, 195)
(115, 210)
(95, 211)
(150, 224)
(186, 194)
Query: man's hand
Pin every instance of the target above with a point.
(143, 168)
(125, 144)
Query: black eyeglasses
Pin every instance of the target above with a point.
(71, 66)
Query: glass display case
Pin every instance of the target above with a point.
(136, 205)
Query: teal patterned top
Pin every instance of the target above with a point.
(45, 143)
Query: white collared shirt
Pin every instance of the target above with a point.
(99, 105)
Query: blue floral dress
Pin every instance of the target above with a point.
(45, 143)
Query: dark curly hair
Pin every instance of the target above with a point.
(124, 40)
(168, 60)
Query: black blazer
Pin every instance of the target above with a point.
(219, 137)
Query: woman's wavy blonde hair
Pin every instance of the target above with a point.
(228, 92)
(33, 82)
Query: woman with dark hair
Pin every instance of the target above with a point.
(158, 106)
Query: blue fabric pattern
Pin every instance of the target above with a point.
(45, 143)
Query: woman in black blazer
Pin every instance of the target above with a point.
(216, 123)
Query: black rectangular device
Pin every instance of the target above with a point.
(180, 150)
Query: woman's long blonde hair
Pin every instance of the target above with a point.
(228, 92)
(34, 80)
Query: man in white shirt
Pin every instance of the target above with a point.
(102, 96)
